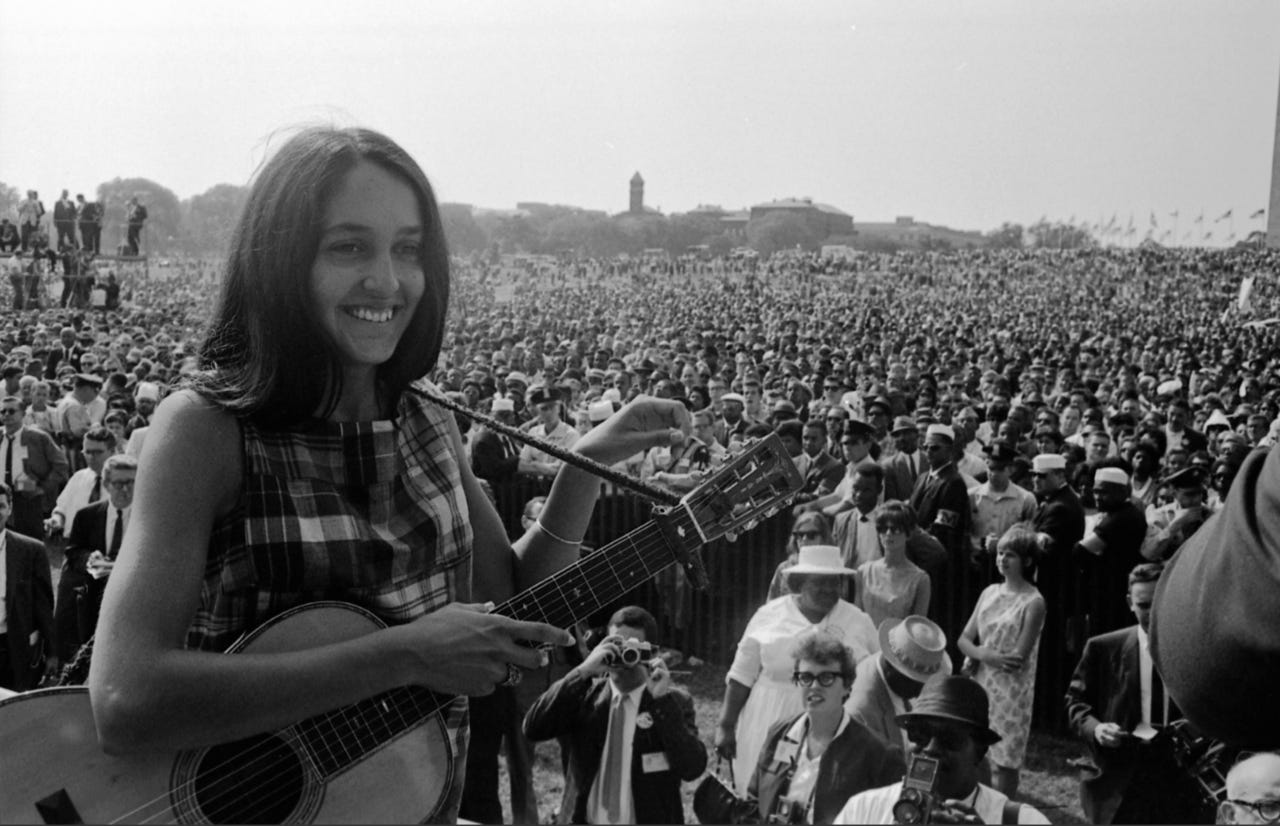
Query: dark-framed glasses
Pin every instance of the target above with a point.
(803, 534)
(950, 738)
(1267, 811)
(826, 679)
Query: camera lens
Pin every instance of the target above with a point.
(630, 656)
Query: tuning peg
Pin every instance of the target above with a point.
(751, 524)
(731, 536)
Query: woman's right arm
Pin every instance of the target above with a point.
(149, 692)
(735, 697)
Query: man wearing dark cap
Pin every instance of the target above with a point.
(941, 502)
(998, 504)
(949, 723)
(1168, 526)
(78, 412)
(546, 403)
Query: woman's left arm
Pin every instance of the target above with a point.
(1031, 627)
(502, 568)
(924, 592)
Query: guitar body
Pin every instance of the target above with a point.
(52, 769)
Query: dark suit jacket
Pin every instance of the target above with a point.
(855, 761)
(489, 459)
(870, 704)
(823, 473)
(899, 483)
(1061, 516)
(88, 534)
(942, 505)
(46, 463)
(29, 603)
(1105, 688)
(577, 707)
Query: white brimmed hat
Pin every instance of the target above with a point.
(822, 560)
(502, 404)
(943, 430)
(599, 411)
(916, 646)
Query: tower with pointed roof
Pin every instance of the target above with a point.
(637, 194)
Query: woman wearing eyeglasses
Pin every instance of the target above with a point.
(811, 528)
(812, 763)
(758, 690)
(892, 587)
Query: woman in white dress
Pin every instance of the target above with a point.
(758, 688)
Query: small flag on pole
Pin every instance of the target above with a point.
(1153, 218)
(1246, 291)
(1224, 216)
(1200, 217)
(1258, 214)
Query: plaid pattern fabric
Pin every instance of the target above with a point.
(370, 513)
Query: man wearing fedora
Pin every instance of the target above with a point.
(950, 723)
(908, 462)
(546, 402)
(912, 652)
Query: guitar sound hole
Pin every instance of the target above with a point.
(256, 780)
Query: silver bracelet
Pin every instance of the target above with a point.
(559, 539)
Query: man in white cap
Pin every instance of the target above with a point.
(145, 399)
(732, 419)
(1116, 543)
(912, 652)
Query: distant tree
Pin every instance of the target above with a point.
(160, 234)
(779, 231)
(642, 232)
(461, 231)
(684, 231)
(512, 233)
(1007, 237)
(9, 198)
(721, 244)
(209, 218)
(1060, 235)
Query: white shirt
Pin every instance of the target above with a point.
(19, 455)
(876, 806)
(75, 495)
(595, 800)
(562, 435)
(861, 528)
(1144, 679)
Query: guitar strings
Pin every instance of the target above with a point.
(646, 540)
(259, 777)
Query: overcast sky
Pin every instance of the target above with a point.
(959, 113)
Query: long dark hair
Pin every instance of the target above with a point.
(266, 356)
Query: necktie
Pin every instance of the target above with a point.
(117, 533)
(96, 493)
(1157, 698)
(612, 779)
(911, 463)
(8, 462)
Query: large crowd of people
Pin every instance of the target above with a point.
(979, 432)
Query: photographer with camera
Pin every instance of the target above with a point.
(813, 762)
(949, 729)
(632, 736)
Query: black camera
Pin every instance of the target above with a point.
(630, 652)
(788, 812)
(915, 803)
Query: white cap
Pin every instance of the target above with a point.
(147, 390)
(1217, 419)
(1168, 388)
(1111, 474)
(734, 397)
(1045, 462)
(501, 404)
(943, 430)
(599, 411)
(611, 395)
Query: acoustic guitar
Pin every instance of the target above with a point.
(383, 759)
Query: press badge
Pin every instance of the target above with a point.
(654, 762)
(786, 751)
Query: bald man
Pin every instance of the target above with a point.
(1253, 791)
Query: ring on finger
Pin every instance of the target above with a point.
(514, 676)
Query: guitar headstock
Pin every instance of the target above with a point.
(746, 488)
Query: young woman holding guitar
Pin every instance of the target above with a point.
(306, 462)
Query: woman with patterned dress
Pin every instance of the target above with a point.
(307, 461)
(892, 587)
(758, 689)
(1000, 642)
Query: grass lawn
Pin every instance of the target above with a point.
(1048, 783)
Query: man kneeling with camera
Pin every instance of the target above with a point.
(633, 737)
(949, 729)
